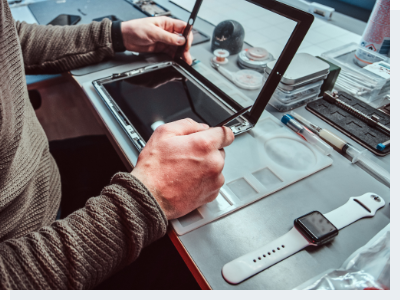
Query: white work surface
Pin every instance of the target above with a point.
(215, 244)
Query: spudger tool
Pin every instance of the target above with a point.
(233, 117)
(188, 28)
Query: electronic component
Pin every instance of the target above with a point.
(151, 8)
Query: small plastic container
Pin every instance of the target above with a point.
(354, 78)
(300, 93)
(286, 106)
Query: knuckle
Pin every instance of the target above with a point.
(220, 181)
(216, 165)
(204, 144)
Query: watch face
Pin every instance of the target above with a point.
(316, 228)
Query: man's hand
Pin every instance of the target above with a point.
(181, 165)
(156, 34)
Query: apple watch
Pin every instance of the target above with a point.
(312, 229)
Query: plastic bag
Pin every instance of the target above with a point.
(367, 268)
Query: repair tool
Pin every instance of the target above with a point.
(234, 116)
(188, 28)
(334, 99)
(360, 129)
(363, 157)
(382, 146)
(306, 134)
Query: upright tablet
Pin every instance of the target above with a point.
(159, 93)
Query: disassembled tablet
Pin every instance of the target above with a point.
(147, 97)
(150, 8)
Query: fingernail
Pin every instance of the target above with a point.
(181, 40)
(205, 126)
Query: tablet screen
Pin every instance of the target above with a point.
(162, 96)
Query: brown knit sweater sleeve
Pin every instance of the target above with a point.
(55, 49)
(89, 245)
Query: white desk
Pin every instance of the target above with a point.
(208, 248)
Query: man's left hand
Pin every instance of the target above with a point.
(156, 34)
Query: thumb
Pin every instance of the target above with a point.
(184, 127)
(168, 38)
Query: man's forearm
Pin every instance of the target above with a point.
(89, 245)
(56, 49)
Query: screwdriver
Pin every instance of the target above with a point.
(363, 157)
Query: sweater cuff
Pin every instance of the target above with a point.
(146, 206)
(116, 37)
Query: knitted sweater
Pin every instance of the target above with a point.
(37, 252)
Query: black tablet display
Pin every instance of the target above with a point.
(163, 95)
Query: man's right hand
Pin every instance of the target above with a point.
(182, 165)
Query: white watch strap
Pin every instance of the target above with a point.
(254, 262)
(249, 264)
(354, 209)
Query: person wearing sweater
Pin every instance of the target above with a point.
(178, 170)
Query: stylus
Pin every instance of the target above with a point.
(233, 117)
(188, 28)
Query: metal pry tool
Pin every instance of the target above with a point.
(234, 116)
